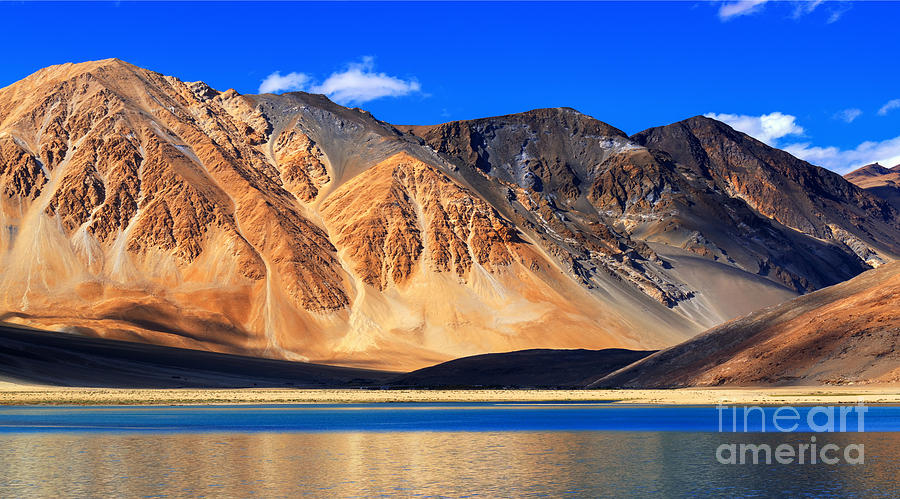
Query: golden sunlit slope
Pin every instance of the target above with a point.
(874, 175)
(880, 181)
(847, 333)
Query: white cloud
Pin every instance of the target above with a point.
(805, 7)
(848, 115)
(275, 83)
(736, 8)
(836, 14)
(891, 105)
(767, 128)
(886, 152)
(357, 84)
(730, 10)
(360, 83)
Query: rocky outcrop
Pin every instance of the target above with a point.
(387, 217)
(301, 164)
(22, 176)
(544, 150)
(635, 182)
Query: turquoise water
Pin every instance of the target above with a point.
(449, 450)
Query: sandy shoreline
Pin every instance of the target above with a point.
(15, 394)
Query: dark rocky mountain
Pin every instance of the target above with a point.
(662, 211)
(787, 190)
(522, 369)
(30, 356)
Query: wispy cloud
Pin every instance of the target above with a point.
(275, 82)
(736, 8)
(360, 83)
(838, 12)
(889, 106)
(730, 10)
(767, 128)
(356, 84)
(848, 115)
(886, 152)
(805, 7)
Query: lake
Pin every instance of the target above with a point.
(472, 449)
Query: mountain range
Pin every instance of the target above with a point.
(139, 207)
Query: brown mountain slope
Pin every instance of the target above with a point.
(880, 181)
(149, 185)
(873, 175)
(847, 333)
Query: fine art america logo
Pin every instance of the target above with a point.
(822, 420)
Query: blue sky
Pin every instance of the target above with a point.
(810, 77)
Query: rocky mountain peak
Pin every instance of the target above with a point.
(879, 181)
(779, 186)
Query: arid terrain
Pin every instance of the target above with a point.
(843, 335)
(140, 207)
(879, 180)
